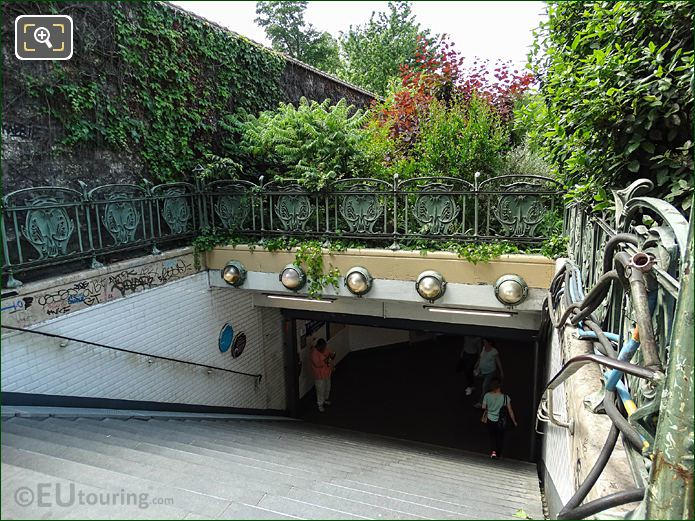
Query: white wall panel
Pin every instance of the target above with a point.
(180, 320)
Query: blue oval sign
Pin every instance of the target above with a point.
(226, 337)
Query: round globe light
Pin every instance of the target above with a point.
(430, 285)
(292, 277)
(358, 281)
(511, 289)
(234, 273)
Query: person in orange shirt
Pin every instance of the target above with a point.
(322, 367)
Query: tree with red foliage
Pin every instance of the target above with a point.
(442, 75)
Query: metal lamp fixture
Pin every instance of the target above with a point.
(511, 289)
(430, 285)
(358, 281)
(234, 273)
(293, 277)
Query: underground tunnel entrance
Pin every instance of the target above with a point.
(399, 378)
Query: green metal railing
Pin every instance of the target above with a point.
(46, 226)
(638, 268)
(50, 225)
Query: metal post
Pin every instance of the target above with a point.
(476, 204)
(394, 246)
(534, 396)
(670, 491)
(291, 366)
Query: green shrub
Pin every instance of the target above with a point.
(460, 139)
(617, 85)
(315, 143)
(521, 160)
(453, 139)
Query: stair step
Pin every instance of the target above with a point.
(317, 442)
(183, 449)
(296, 466)
(356, 447)
(57, 467)
(227, 476)
(359, 503)
(239, 511)
(462, 499)
(263, 470)
(61, 499)
(275, 448)
(304, 509)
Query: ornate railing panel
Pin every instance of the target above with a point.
(620, 287)
(51, 225)
(435, 208)
(516, 207)
(48, 226)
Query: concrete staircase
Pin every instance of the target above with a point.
(248, 469)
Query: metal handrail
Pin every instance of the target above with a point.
(258, 376)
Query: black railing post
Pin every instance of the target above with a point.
(394, 245)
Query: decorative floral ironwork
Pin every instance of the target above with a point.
(436, 211)
(519, 214)
(48, 227)
(370, 208)
(121, 218)
(232, 210)
(293, 208)
(361, 209)
(176, 211)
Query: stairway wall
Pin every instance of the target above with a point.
(181, 320)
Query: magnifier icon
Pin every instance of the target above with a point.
(42, 35)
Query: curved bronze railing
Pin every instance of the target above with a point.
(632, 267)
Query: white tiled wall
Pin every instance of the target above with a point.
(180, 320)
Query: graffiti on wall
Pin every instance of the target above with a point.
(38, 306)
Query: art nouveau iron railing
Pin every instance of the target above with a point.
(619, 288)
(46, 226)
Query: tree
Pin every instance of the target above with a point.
(616, 97)
(288, 32)
(375, 52)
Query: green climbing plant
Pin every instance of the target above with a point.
(208, 239)
(309, 255)
(473, 252)
(164, 88)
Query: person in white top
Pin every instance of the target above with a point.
(488, 367)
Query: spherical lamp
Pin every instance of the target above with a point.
(293, 277)
(234, 273)
(511, 289)
(430, 285)
(358, 281)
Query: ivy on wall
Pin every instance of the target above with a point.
(158, 84)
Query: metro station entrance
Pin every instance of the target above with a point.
(399, 378)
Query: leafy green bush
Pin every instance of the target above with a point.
(315, 143)
(521, 160)
(455, 138)
(460, 139)
(617, 89)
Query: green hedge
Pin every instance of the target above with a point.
(616, 96)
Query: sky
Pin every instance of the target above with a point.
(494, 30)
